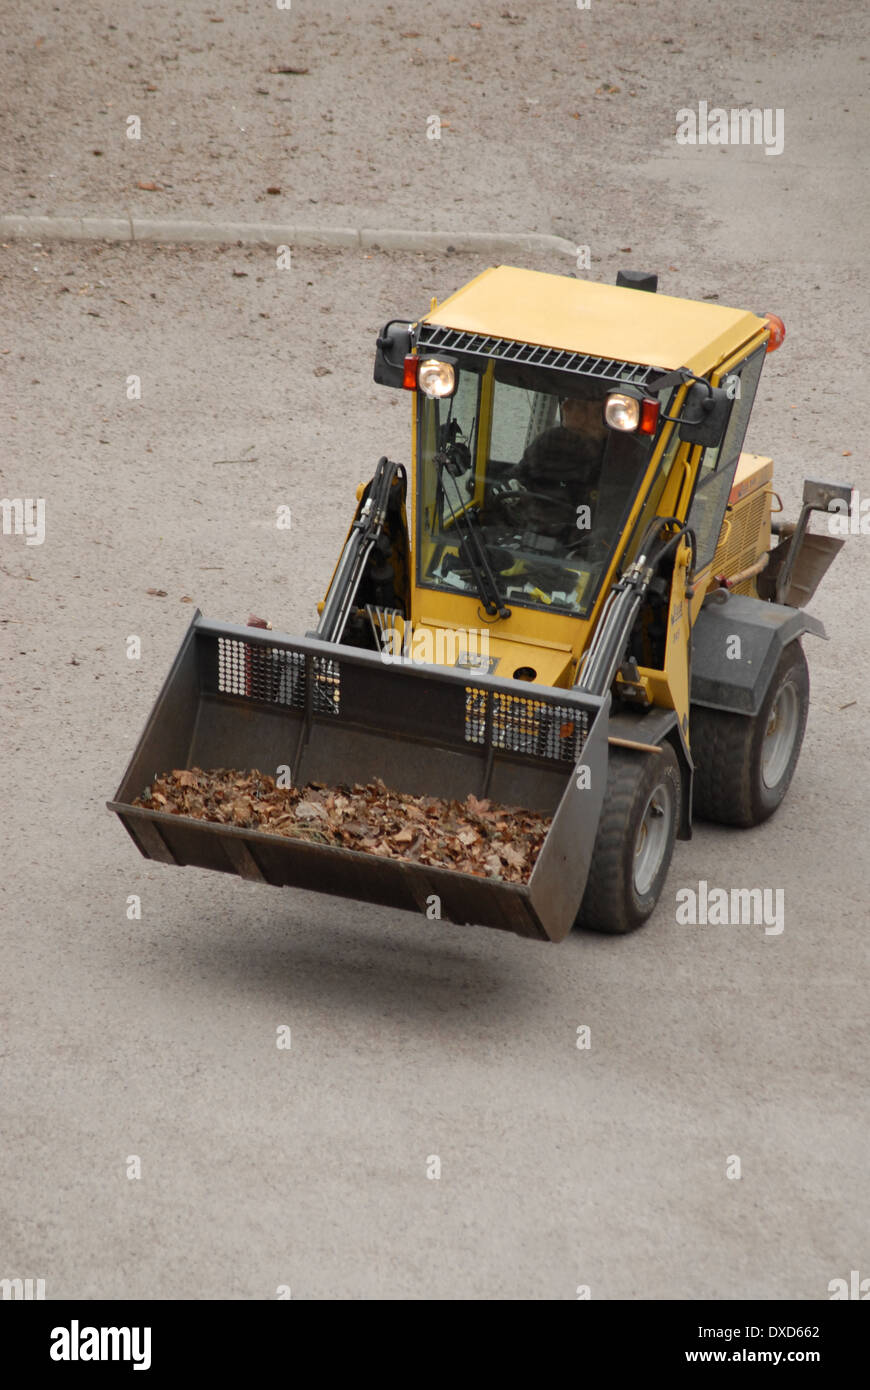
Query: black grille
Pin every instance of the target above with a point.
(520, 725)
(434, 338)
(277, 676)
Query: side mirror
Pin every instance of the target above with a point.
(705, 415)
(393, 346)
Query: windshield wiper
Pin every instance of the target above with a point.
(472, 546)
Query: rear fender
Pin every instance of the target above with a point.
(736, 644)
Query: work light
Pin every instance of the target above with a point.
(627, 413)
(622, 412)
(436, 377)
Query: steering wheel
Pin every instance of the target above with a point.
(597, 548)
(524, 494)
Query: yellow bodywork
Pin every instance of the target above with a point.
(620, 324)
(623, 325)
(626, 325)
(746, 530)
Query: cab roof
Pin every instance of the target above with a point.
(608, 321)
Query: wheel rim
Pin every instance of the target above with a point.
(779, 736)
(653, 836)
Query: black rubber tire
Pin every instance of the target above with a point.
(729, 787)
(611, 902)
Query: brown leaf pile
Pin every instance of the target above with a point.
(471, 836)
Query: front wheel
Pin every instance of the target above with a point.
(635, 840)
(744, 765)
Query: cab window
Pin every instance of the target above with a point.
(719, 464)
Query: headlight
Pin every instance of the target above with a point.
(622, 412)
(436, 377)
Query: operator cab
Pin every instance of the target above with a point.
(519, 471)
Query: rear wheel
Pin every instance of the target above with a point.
(635, 840)
(743, 766)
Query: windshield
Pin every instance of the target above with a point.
(537, 489)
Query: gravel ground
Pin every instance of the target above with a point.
(307, 1167)
(565, 109)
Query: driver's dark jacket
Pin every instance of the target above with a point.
(565, 466)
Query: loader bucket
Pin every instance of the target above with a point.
(243, 698)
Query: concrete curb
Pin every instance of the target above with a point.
(168, 231)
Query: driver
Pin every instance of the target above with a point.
(563, 464)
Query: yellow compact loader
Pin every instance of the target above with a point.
(576, 600)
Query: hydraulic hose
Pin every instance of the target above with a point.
(358, 547)
(601, 660)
